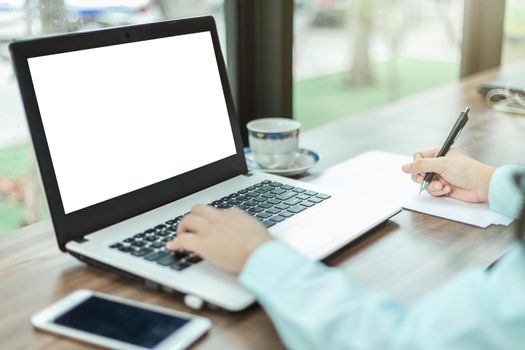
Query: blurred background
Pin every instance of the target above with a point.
(343, 57)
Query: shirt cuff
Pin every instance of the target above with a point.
(504, 195)
(268, 265)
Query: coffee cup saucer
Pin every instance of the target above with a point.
(304, 160)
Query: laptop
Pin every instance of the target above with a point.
(132, 126)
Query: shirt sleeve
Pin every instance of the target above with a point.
(316, 307)
(504, 196)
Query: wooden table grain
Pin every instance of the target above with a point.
(407, 257)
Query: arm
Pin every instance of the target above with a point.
(504, 197)
(316, 307)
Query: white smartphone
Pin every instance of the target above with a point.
(119, 323)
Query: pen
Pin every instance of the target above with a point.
(452, 137)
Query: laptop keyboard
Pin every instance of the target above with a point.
(269, 202)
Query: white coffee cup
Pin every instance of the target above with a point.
(274, 141)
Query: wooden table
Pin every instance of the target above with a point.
(409, 256)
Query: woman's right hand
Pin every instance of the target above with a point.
(457, 175)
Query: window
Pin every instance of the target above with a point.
(514, 31)
(21, 196)
(351, 56)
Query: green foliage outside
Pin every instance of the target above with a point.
(324, 99)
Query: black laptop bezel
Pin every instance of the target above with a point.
(75, 225)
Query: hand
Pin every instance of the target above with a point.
(224, 237)
(457, 175)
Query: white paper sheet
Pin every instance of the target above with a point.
(378, 175)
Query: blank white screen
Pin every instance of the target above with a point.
(122, 117)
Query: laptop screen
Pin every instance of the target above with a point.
(119, 118)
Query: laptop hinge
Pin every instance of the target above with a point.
(248, 173)
(80, 240)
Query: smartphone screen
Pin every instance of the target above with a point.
(120, 321)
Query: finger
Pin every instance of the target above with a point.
(435, 186)
(206, 211)
(192, 223)
(428, 153)
(184, 241)
(439, 193)
(426, 165)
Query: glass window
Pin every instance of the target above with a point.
(21, 196)
(353, 55)
(514, 31)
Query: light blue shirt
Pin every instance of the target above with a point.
(316, 307)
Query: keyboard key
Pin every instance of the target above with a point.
(151, 238)
(259, 200)
(242, 191)
(266, 182)
(180, 254)
(139, 235)
(125, 248)
(286, 214)
(129, 240)
(160, 227)
(299, 190)
(250, 203)
(307, 204)
(243, 198)
(265, 205)
(282, 206)
(224, 206)
(179, 266)
(165, 261)
(292, 201)
(255, 210)
(252, 194)
(310, 193)
(287, 187)
(140, 243)
(273, 211)
(275, 184)
(250, 188)
(258, 185)
(286, 195)
(154, 256)
(315, 199)
(234, 195)
(302, 196)
(296, 209)
(234, 202)
(278, 191)
(158, 245)
(149, 232)
(194, 259)
(116, 245)
(323, 196)
(170, 222)
(268, 223)
(263, 215)
(277, 218)
(163, 233)
(273, 201)
(268, 195)
(141, 251)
